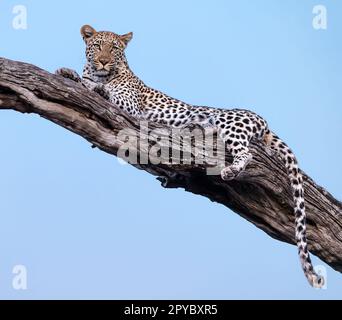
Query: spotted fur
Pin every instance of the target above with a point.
(108, 73)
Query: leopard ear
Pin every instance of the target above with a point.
(87, 32)
(126, 38)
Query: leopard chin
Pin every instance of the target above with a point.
(101, 73)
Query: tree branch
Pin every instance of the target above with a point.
(261, 194)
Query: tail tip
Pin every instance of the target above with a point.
(317, 281)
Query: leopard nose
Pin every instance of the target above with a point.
(103, 61)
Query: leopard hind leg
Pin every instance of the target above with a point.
(237, 145)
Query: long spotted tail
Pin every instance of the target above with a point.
(296, 181)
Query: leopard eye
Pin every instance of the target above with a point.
(97, 46)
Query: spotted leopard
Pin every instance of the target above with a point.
(107, 72)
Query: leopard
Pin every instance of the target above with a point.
(107, 72)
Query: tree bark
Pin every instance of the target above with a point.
(261, 194)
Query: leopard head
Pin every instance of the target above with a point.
(105, 50)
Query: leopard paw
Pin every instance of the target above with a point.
(69, 74)
(100, 88)
(229, 173)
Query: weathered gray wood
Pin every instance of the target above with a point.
(261, 194)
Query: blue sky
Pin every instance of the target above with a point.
(85, 226)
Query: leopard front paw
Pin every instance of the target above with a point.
(100, 88)
(69, 74)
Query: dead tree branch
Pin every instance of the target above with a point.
(261, 194)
